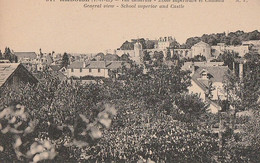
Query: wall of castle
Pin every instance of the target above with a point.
(201, 50)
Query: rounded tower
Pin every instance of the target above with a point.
(138, 50)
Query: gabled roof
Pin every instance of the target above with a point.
(216, 73)
(55, 67)
(31, 55)
(6, 69)
(49, 59)
(76, 65)
(117, 64)
(98, 64)
(188, 65)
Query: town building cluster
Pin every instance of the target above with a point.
(206, 77)
(200, 48)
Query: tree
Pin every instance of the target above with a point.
(65, 60)
(147, 56)
(199, 58)
(150, 44)
(125, 57)
(74, 114)
(100, 56)
(8, 54)
(174, 45)
(168, 54)
(1, 55)
(127, 46)
(158, 57)
(243, 96)
(111, 57)
(232, 38)
(228, 58)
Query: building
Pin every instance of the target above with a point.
(25, 57)
(253, 44)
(191, 65)
(94, 68)
(201, 48)
(14, 74)
(164, 43)
(4, 61)
(161, 45)
(207, 82)
(221, 48)
(138, 52)
(57, 71)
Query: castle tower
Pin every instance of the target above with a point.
(138, 52)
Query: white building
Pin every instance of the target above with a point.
(201, 48)
(253, 44)
(93, 68)
(164, 42)
(220, 48)
(207, 82)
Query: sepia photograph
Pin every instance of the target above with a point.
(130, 81)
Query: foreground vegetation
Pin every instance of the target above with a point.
(141, 116)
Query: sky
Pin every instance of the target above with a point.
(28, 25)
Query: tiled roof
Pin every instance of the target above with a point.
(31, 55)
(6, 69)
(98, 64)
(187, 65)
(118, 64)
(55, 67)
(76, 65)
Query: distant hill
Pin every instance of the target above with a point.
(233, 38)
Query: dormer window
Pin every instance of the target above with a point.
(204, 74)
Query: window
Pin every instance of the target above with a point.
(80, 69)
(99, 70)
(72, 70)
(89, 70)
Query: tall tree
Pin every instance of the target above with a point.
(125, 57)
(1, 55)
(147, 56)
(168, 54)
(65, 60)
(8, 54)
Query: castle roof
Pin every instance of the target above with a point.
(201, 43)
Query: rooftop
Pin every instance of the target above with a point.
(216, 74)
(6, 69)
(201, 43)
(98, 64)
(31, 55)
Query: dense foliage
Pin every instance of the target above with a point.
(231, 38)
